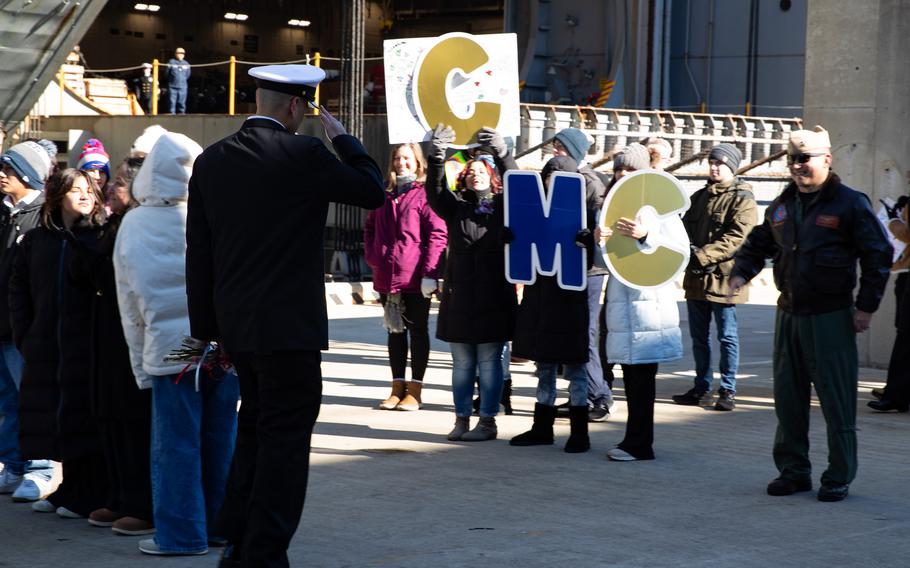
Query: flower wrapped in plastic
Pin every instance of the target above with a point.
(207, 356)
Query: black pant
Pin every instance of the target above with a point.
(84, 486)
(639, 381)
(280, 396)
(416, 314)
(602, 347)
(897, 389)
(127, 447)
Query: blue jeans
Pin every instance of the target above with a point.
(193, 437)
(506, 361)
(546, 383)
(700, 312)
(483, 360)
(10, 378)
(598, 390)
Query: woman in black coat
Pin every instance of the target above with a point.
(477, 308)
(51, 315)
(552, 329)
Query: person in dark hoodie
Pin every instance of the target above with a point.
(23, 171)
(552, 329)
(477, 309)
(50, 314)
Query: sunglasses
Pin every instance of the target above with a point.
(800, 158)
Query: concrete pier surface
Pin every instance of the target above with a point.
(387, 489)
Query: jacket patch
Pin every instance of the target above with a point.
(828, 221)
(779, 215)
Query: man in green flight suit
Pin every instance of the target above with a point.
(816, 230)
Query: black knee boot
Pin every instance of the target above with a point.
(541, 432)
(578, 439)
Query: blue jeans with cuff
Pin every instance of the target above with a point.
(483, 360)
(193, 436)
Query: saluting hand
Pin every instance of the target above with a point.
(331, 124)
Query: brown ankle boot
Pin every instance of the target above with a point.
(398, 389)
(411, 400)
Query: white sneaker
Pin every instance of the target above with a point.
(43, 506)
(618, 455)
(149, 546)
(9, 482)
(66, 513)
(36, 485)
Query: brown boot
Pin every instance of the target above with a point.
(411, 400)
(485, 430)
(396, 396)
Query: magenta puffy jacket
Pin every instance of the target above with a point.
(403, 241)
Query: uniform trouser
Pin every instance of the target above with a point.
(177, 98)
(280, 397)
(821, 350)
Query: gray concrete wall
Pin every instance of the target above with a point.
(857, 86)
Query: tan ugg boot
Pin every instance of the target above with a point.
(411, 400)
(398, 390)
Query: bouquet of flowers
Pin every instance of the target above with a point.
(207, 356)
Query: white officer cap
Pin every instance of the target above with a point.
(297, 80)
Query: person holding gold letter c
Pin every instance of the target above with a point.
(645, 247)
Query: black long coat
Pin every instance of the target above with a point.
(51, 317)
(114, 393)
(552, 323)
(256, 280)
(478, 303)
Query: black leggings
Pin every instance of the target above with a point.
(639, 382)
(415, 316)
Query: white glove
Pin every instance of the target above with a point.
(428, 286)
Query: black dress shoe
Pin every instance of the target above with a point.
(783, 486)
(878, 392)
(831, 492)
(884, 405)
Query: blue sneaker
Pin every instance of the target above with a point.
(9, 481)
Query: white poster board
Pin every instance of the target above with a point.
(899, 246)
(463, 80)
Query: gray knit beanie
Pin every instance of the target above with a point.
(728, 154)
(634, 157)
(576, 143)
(30, 162)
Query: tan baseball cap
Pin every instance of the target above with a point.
(180, 50)
(810, 141)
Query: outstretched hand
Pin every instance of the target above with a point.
(331, 124)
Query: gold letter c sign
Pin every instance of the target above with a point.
(436, 71)
(657, 199)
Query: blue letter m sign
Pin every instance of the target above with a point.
(544, 225)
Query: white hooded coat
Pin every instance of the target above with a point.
(643, 325)
(149, 259)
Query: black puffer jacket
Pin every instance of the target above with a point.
(13, 227)
(478, 304)
(51, 319)
(815, 259)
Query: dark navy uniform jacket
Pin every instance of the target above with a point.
(258, 201)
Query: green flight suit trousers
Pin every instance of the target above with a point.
(821, 350)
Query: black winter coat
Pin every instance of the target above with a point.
(257, 281)
(114, 392)
(552, 323)
(478, 304)
(815, 260)
(12, 229)
(51, 319)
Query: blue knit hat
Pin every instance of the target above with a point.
(30, 162)
(575, 142)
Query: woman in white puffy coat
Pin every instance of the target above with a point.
(193, 425)
(642, 331)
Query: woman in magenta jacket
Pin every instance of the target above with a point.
(403, 240)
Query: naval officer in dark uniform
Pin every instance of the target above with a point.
(258, 201)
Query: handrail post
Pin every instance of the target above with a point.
(316, 62)
(233, 76)
(155, 87)
(61, 90)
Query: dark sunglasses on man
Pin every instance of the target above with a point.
(802, 158)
